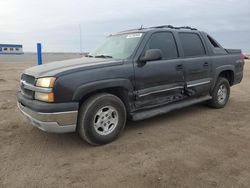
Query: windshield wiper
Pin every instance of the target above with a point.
(103, 56)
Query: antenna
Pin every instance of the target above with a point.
(80, 35)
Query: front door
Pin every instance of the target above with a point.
(162, 81)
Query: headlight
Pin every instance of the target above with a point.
(47, 97)
(46, 82)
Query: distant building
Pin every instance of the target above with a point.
(11, 49)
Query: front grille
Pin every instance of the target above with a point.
(29, 94)
(29, 79)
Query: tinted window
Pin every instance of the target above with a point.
(212, 41)
(165, 42)
(192, 44)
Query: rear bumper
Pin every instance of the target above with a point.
(57, 122)
(238, 77)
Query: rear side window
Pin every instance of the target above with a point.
(165, 42)
(192, 44)
(212, 42)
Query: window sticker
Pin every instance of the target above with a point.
(134, 35)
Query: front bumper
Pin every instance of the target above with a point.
(59, 122)
(54, 117)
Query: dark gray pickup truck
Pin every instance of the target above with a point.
(134, 74)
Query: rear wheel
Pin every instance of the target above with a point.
(220, 94)
(101, 119)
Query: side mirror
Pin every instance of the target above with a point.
(151, 55)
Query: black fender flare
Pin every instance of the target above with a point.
(101, 84)
(219, 70)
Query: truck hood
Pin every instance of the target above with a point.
(72, 65)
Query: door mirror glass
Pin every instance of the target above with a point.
(151, 55)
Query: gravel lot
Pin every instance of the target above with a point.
(193, 147)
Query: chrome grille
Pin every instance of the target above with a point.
(30, 80)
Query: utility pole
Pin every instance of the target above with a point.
(80, 30)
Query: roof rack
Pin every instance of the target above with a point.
(172, 27)
(159, 27)
(186, 27)
(135, 29)
(163, 26)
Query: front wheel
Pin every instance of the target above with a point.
(220, 94)
(101, 119)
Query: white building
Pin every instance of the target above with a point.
(11, 49)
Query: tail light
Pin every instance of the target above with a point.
(242, 58)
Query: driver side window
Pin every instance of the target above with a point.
(165, 42)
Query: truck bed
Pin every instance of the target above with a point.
(233, 51)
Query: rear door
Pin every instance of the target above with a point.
(197, 63)
(161, 81)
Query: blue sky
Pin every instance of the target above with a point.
(56, 23)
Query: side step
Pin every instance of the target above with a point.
(164, 109)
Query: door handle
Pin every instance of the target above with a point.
(179, 67)
(205, 64)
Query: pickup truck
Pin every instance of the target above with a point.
(134, 74)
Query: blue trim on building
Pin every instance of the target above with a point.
(11, 45)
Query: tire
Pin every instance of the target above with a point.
(101, 119)
(220, 93)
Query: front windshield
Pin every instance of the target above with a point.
(118, 46)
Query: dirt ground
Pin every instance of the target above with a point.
(193, 147)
